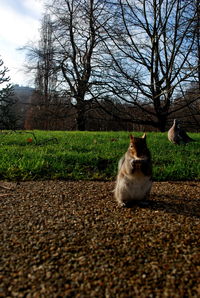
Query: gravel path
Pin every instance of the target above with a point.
(70, 239)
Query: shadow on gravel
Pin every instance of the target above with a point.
(179, 206)
(180, 209)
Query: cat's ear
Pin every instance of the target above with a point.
(131, 137)
(144, 136)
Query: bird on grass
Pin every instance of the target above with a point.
(177, 135)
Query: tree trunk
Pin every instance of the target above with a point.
(162, 121)
(81, 119)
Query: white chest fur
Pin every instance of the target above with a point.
(137, 186)
(132, 188)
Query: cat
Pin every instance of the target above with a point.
(134, 179)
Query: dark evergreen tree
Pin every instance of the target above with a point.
(7, 118)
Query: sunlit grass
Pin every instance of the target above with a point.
(90, 155)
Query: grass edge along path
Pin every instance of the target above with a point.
(73, 155)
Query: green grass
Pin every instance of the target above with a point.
(90, 156)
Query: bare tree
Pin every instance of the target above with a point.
(151, 58)
(196, 32)
(7, 119)
(186, 105)
(77, 29)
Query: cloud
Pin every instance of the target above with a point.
(24, 7)
(17, 29)
(37, 4)
(19, 24)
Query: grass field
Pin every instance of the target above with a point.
(90, 155)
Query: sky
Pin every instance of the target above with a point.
(20, 21)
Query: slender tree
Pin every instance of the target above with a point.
(46, 76)
(44, 104)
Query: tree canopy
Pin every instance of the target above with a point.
(140, 53)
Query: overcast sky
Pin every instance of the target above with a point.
(19, 24)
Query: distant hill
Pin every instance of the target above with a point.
(23, 93)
